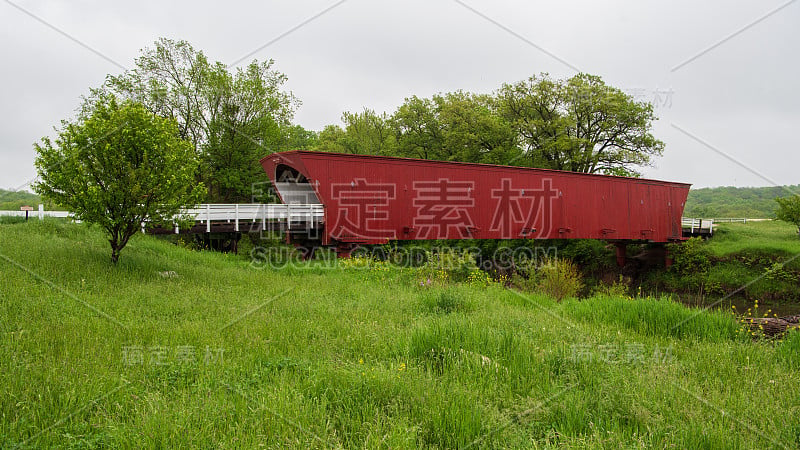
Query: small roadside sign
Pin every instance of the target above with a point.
(26, 208)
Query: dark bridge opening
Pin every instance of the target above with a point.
(293, 187)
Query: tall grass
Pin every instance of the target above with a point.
(789, 350)
(660, 317)
(351, 357)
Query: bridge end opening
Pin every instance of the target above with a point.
(293, 187)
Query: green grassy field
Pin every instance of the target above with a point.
(756, 260)
(178, 348)
(775, 238)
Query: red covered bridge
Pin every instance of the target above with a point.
(375, 199)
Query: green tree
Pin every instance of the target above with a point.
(331, 139)
(245, 117)
(419, 131)
(457, 126)
(368, 133)
(117, 166)
(232, 118)
(580, 124)
(473, 131)
(789, 210)
(298, 137)
(364, 133)
(170, 80)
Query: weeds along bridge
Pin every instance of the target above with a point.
(375, 200)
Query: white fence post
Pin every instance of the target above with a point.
(208, 218)
(41, 211)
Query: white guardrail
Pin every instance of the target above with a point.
(739, 220)
(254, 212)
(40, 213)
(221, 212)
(697, 225)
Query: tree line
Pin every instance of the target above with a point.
(580, 124)
(233, 118)
(729, 201)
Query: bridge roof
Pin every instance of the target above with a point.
(355, 159)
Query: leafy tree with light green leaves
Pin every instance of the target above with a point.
(245, 117)
(789, 210)
(473, 130)
(364, 133)
(419, 130)
(117, 166)
(297, 137)
(331, 139)
(233, 117)
(580, 124)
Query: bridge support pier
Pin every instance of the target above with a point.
(306, 250)
(668, 261)
(622, 253)
(345, 250)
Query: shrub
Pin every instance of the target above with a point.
(690, 257)
(527, 276)
(559, 279)
(778, 272)
(591, 255)
(448, 265)
(789, 210)
(618, 288)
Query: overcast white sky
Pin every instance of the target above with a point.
(728, 117)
